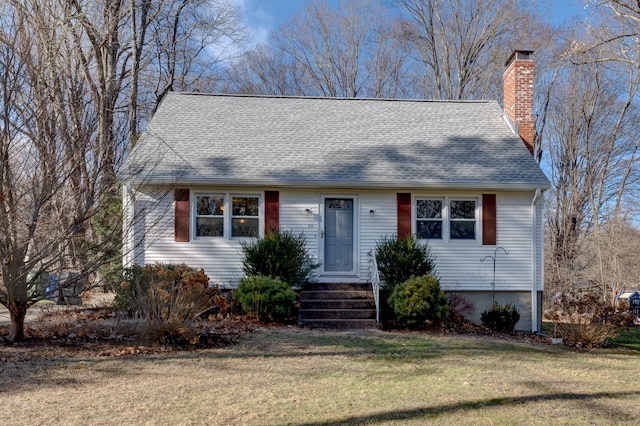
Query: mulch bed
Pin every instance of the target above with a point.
(101, 332)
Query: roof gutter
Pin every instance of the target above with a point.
(391, 185)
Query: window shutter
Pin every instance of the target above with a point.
(271, 211)
(489, 233)
(404, 214)
(181, 233)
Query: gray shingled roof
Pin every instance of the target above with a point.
(198, 139)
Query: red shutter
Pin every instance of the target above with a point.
(271, 211)
(181, 233)
(489, 233)
(404, 215)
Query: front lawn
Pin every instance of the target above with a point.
(629, 338)
(294, 376)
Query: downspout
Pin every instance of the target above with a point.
(128, 233)
(534, 246)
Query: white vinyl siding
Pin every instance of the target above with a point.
(458, 262)
(460, 268)
(384, 222)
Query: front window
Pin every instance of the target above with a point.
(446, 219)
(244, 219)
(227, 215)
(210, 215)
(462, 215)
(429, 219)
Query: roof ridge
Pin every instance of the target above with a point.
(241, 95)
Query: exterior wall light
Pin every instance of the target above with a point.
(307, 212)
(372, 212)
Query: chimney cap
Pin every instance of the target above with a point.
(521, 54)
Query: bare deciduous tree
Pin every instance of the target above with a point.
(66, 79)
(592, 152)
(189, 39)
(461, 45)
(350, 51)
(52, 161)
(265, 70)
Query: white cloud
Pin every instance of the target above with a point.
(258, 21)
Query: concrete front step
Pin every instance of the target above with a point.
(339, 324)
(337, 305)
(340, 314)
(335, 295)
(338, 286)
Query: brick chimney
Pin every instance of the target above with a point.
(518, 94)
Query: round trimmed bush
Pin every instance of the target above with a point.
(268, 298)
(418, 301)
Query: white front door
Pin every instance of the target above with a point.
(338, 235)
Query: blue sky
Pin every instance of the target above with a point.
(263, 16)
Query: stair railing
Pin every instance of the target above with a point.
(374, 276)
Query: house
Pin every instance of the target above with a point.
(214, 170)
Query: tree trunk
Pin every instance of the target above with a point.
(18, 313)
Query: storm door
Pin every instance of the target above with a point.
(338, 235)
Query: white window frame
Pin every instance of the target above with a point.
(442, 219)
(476, 218)
(240, 217)
(227, 214)
(446, 217)
(196, 215)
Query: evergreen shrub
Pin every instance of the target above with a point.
(502, 318)
(281, 255)
(402, 258)
(419, 301)
(269, 298)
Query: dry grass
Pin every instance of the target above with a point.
(301, 377)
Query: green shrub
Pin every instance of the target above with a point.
(418, 301)
(170, 298)
(502, 318)
(280, 255)
(268, 298)
(402, 258)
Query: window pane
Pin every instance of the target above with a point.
(209, 226)
(210, 205)
(245, 206)
(463, 230)
(429, 209)
(244, 227)
(463, 209)
(430, 229)
(340, 204)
